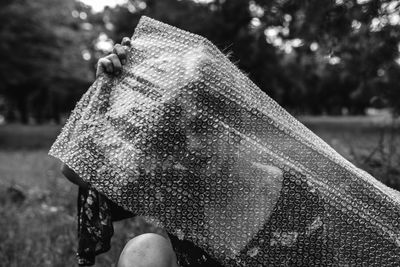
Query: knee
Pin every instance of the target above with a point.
(147, 250)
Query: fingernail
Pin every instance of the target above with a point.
(123, 61)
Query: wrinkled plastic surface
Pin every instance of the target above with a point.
(184, 138)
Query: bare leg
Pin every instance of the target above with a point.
(148, 250)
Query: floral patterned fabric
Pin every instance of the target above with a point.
(95, 216)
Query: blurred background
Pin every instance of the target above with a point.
(333, 64)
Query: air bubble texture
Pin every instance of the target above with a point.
(185, 139)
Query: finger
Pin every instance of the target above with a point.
(126, 41)
(104, 65)
(120, 51)
(116, 63)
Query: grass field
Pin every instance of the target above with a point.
(41, 230)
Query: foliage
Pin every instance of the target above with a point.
(312, 56)
(316, 56)
(41, 64)
(359, 41)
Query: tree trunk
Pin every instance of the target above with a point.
(22, 108)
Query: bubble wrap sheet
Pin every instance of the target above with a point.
(185, 139)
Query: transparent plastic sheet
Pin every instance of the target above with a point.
(185, 139)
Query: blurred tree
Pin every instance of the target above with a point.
(355, 43)
(41, 55)
(312, 56)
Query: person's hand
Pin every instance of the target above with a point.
(112, 64)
